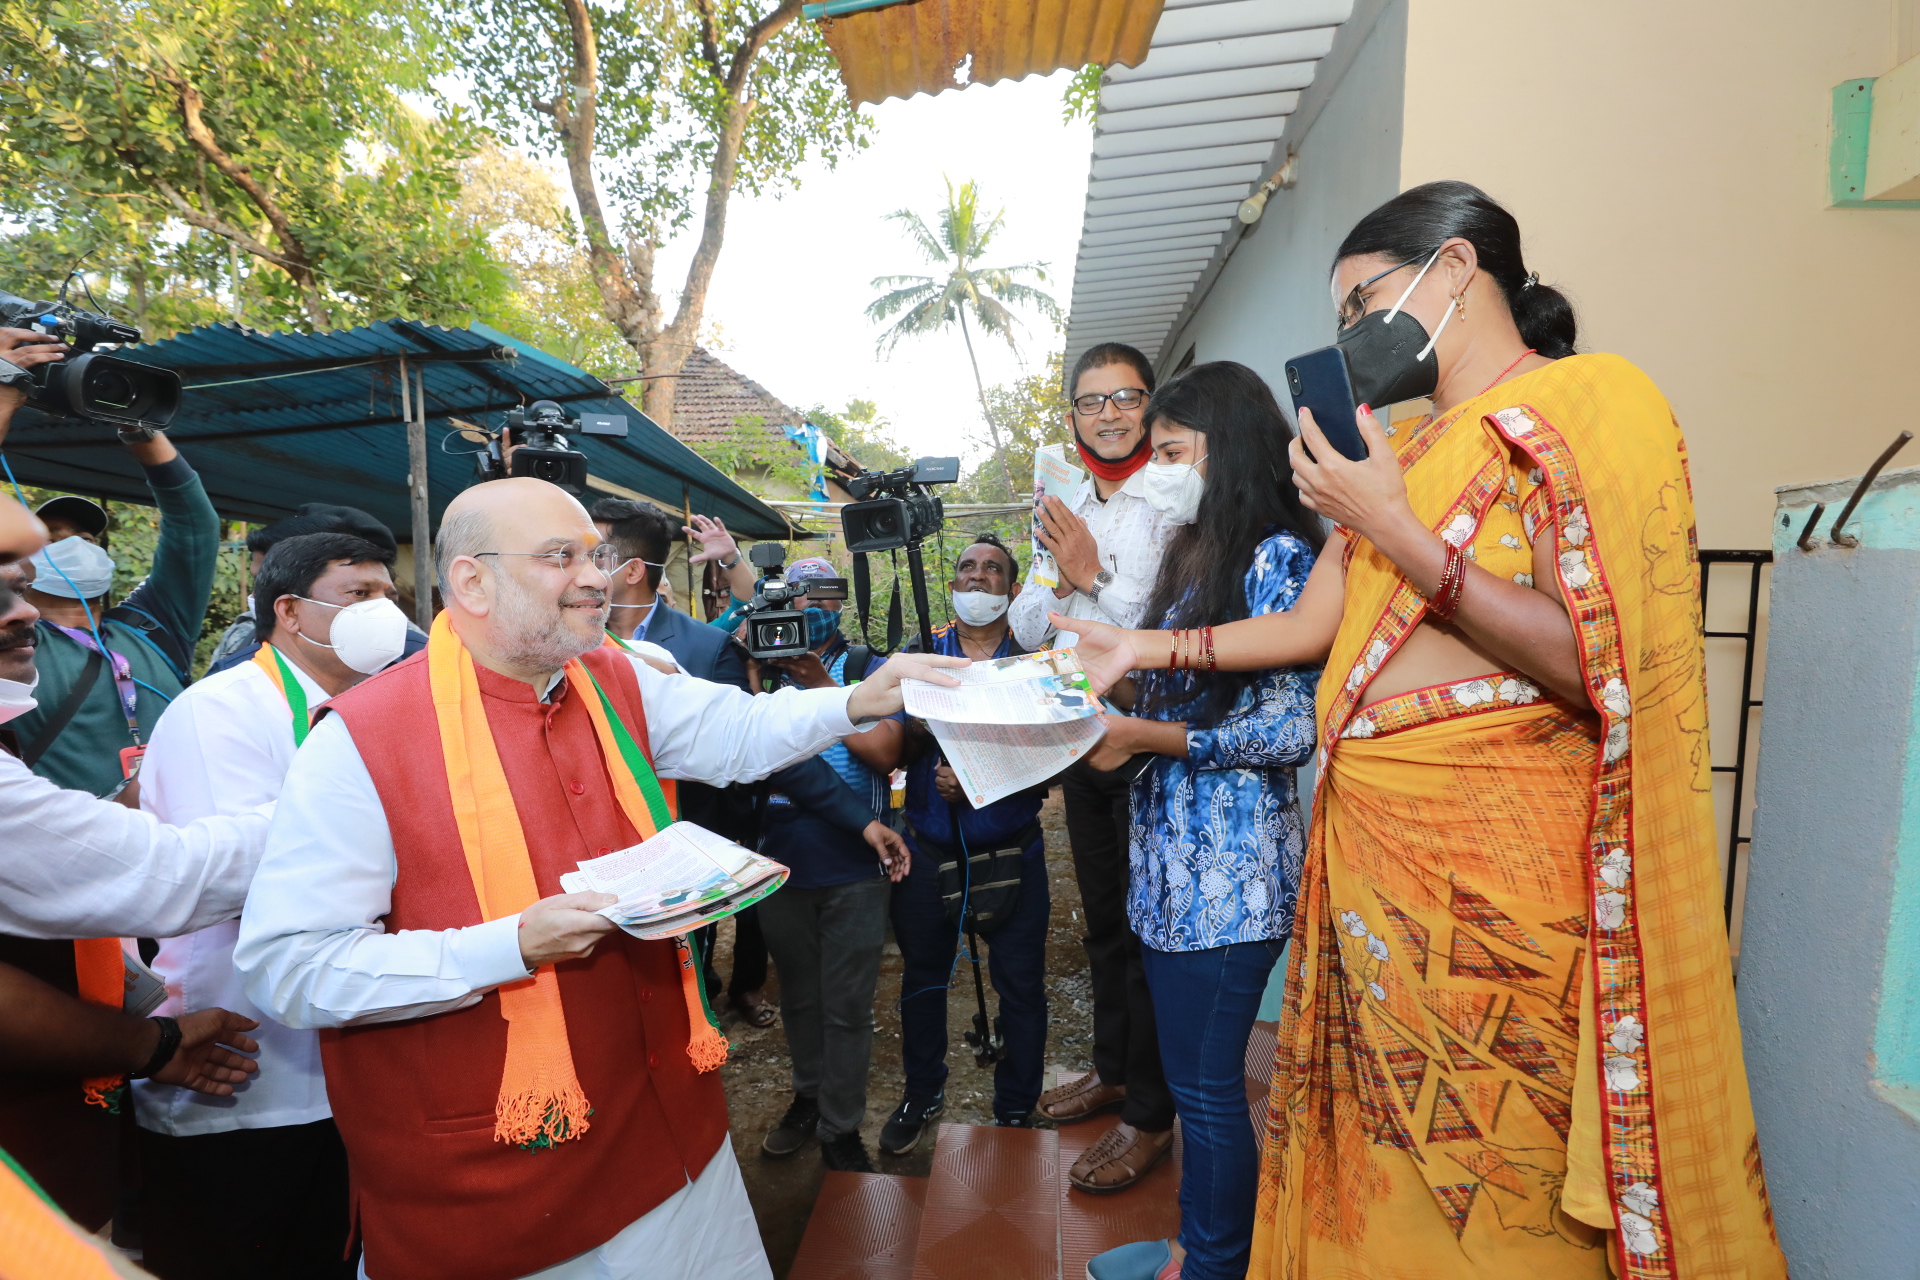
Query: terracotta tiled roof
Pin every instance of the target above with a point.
(711, 396)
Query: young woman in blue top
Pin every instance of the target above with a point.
(1217, 838)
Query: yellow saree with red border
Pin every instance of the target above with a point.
(1509, 1047)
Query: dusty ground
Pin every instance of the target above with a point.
(758, 1087)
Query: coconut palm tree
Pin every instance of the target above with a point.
(966, 289)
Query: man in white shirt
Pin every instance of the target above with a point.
(223, 746)
(1107, 542)
(367, 916)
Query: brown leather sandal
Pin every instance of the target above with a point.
(1121, 1157)
(755, 1008)
(1081, 1099)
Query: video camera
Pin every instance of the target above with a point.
(88, 384)
(893, 509)
(540, 449)
(775, 629)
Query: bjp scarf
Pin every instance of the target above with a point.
(269, 660)
(540, 1101)
(101, 976)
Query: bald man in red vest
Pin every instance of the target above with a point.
(523, 1089)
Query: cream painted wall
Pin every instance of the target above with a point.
(1668, 165)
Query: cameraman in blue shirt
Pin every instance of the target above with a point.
(928, 926)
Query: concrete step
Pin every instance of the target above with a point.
(992, 1206)
(864, 1227)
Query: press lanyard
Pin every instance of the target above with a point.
(122, 675)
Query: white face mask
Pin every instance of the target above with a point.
(1173, 489)
(366, 636)
(74, 568)
(17, 699)
(978, 608)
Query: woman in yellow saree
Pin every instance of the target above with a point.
(1509, 1047)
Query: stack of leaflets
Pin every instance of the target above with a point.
(677, 881)
(1012, 723)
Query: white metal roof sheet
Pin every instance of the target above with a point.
(1179, 142)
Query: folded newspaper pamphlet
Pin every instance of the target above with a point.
(677, 881)
(1052, 474)
(1012, 723)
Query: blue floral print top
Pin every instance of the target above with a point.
(1217, 839)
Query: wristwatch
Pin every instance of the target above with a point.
(136, 433)
(1101, 581)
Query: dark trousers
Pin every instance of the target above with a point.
(1016, 959)
(749, 954)
(827, 943)
(1207, 1001)
(1126, 1048)
(248, 1202)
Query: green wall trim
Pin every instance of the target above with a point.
(1847, 149)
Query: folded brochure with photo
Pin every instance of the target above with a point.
(1012, 723)
(677, 881)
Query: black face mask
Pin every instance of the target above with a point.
(1390, 355)
(1383, 359)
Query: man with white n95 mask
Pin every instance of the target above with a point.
(323, 602)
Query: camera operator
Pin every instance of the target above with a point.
(96, 705)
(943, 827)
(73, 866)
(825, 928)
(240, 641)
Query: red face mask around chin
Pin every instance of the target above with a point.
(1110, 470)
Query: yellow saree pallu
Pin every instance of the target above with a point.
(1509, 1047)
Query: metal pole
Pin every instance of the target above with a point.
(422, 515)
(694, 600)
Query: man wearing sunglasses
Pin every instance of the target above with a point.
(1107, 541)
(522, 1087)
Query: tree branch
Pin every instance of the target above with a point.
(710, 39)
(218, 226)
(293, 256)
(755, 40)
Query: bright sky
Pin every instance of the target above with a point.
(795, 275)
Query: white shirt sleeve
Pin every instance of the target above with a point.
(313, 951)
(73, 866)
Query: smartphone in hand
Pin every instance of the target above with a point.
(1318, 381)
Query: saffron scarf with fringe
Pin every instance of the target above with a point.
(540, 1101)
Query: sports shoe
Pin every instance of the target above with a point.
(1013, 1120)
(798, 1125)
(845, 1153)
(908, 1123)
(1142, 1260)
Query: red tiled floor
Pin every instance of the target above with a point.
(992, 1206)
(1149, 1210)
(864, 1227)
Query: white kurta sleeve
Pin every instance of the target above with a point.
(313, 951)
(73, 866)
(714, 733)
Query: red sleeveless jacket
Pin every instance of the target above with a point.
(437, 1198)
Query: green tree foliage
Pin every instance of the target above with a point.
(866, 436)
(930, 304)
(259, 158)
(1082, 97)
(1031, 411)
(663, 103)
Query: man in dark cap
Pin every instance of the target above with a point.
(238, 643)
(71, 516)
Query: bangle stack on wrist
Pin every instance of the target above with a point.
(1191, 650)
(1453, 580)
(162, 1052)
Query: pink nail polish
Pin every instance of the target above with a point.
(1364, 409)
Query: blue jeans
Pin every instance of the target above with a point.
(1016, 960)
(1205, 1002)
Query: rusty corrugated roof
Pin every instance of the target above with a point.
(915, 47)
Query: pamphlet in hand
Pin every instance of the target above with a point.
(677, 881)
(145, 990)
(1052, 474)
(1012, 723)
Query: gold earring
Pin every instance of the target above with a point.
(1460, 306)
